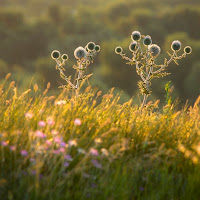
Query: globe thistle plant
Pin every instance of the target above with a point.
(84, 56)
(144, 55)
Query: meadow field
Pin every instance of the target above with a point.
(93, 147)
(99, 99)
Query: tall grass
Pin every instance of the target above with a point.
(93, 147)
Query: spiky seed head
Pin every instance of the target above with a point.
(188, 50)
(97, 48)
(154, 50)
(176, 45)
(147, 40)
(133, 46)
(136, 35)
(55, 54)
(80, 53)
(65, 57)
(118, 50)
(90, 46)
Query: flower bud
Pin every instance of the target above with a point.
(118, 50)
(188, 50)
(176, 45)
(55, 54)
(147, 40)
(136, 35)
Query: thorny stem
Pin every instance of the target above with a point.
(66, 79)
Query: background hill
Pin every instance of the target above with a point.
(31, 29)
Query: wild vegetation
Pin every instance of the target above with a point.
(93, 147)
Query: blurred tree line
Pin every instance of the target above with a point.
(31, 29)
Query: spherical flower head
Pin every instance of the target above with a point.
(188, 50)
(80, 53)
(65, 57)
(90, 46)
(154, 50)
(118, 50)
(133, 46)
(55, 54)
(136, 36)
(176, 45)
(147, 40)
(97, 48)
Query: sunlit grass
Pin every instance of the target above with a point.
(92, 147)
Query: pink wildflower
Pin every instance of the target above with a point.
(4, 143)
(94, 152)
(42, 124)
(77, 122)
(12, 148)
(48, 142)
(28, 115)
(40, 134)
(57, 140)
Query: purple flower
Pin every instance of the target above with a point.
(24, 153)
(141, 188)
(63, 144)
(96, 164)
(66, 164)
(68, 157)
